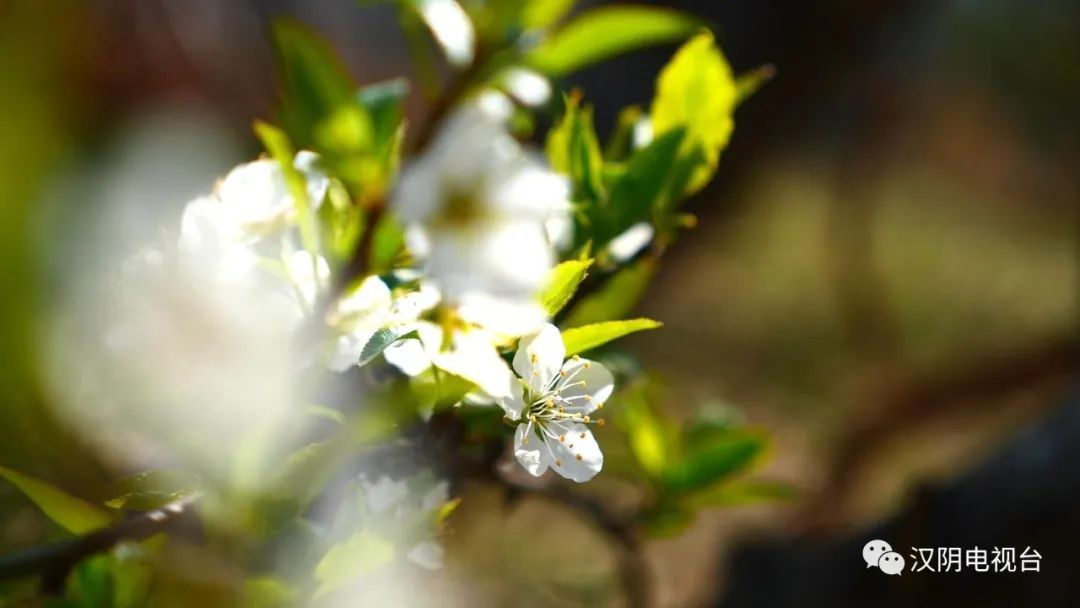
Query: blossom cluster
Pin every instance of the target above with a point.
(484, 215)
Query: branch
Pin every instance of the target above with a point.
(635, 574)
(54, 562)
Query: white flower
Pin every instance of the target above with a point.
(403, 509)
(218, 232)
(369, 308)
(468, 353)
(553, 402)
(482, 201)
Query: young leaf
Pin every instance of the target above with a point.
(378, 342)
(345, 562)
(281, 150)
(73, 514)
(643, 186)
(601, 33)
(563, 281)
(540, 14)
(650, 436)
(712, 460)
(572, 148)
(697, 92)
(313, 80)
(615, 298)
(746, 493)
(748, 83)
(450, 27)
(581, 339)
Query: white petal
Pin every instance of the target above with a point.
(508, 259)
(383, 493)
(631, 241)
(515, 403)
(539, 357)
(473, 356)
(428, 555)
(526, 189)
(586, 386)
(435, 497)
(451, 28)
(531, 451)
(528, 86)
(255, 193)
(309, 274)
(317, 181)
(575, 453)
(502, 316)
(347, 349)
(417, 195)
(408, 356)
(370, 298)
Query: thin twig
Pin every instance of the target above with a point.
(54, 562)
(635, 575)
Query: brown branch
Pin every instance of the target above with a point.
(55, 562)
(910, 405)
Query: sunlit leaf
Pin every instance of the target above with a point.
(748, 83)
(615, 298)
(581, 339)
(710, 460)
(281, 150)
(73, 514)
(314, 82)
(643, 186)
(649, 435)
(267, 592)
(345, 562)
(746, 493)
(600, 33)
(696, 92)
(572, 148)
(540, 14)
(562, 282)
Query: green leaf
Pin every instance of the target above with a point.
(281, 150)
(581, 339)
(572, 148)
(562, 282)
(697, 92)
(314, 82)
(541, 14)
(710, 460)
(649, 435)
(73, 514)
(386, 243)
(642, 187)
(748, 83)
(267, 592)
(668, 519)
(746, 493)
(378, 342)
(346, 562)
(601, 33)
(152, 489)
(616, 297)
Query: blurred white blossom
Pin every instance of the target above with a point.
(483, 201)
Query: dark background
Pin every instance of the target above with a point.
(885, 273)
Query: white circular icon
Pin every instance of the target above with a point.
(873, 550)
(891, 563)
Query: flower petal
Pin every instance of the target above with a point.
(585, 386)
(428, 555)
(539, 357)
(531, 452)
(515, 403)
(575, 453)
(473, 356)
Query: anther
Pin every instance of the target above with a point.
(579, 457)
